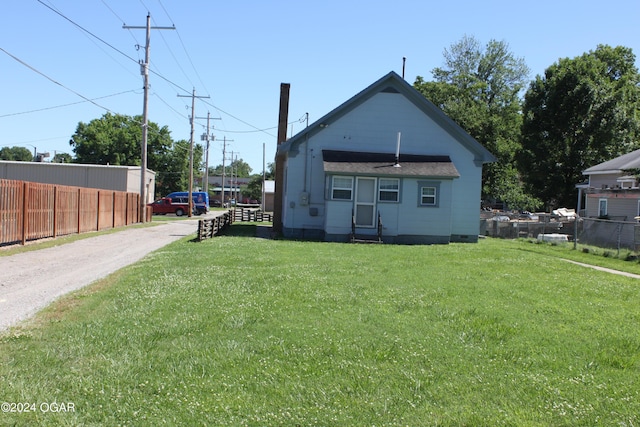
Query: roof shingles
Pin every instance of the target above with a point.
(383, 164)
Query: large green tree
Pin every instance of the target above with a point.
(116, 139)
(19, 154)
(479, 87)
(583, 111)
(239, 167)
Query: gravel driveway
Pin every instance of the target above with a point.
(30, 281)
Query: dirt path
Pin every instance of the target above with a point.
(30, 281)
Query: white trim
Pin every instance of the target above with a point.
(358, 202)
(335, 187)
(606, 207)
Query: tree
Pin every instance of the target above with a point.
(17, 154)
(253, 190)
(479, 88)
(582, 112)
(62, 158)
(116, 139)
(270, 173)
(239, 167)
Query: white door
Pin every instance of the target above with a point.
(365, 202)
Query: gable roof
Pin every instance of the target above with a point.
(626, 161)
(393, 83)
(383, 164)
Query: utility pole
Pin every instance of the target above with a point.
(224, 155)
(207, 137)
(144, 68)
(193, 107)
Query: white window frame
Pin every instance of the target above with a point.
(395, 191)
(335, 187)
(434, 196)
(605, 211)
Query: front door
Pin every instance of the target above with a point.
(365, 202)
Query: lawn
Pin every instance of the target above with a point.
(240, 331)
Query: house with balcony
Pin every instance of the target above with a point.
(612, 189)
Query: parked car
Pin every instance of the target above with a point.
(528, 215)
(166, 205)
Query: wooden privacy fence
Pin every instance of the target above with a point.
(30, 210)
(209, 227)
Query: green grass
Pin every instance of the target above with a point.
(237, 331)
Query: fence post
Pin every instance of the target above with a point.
(79, 209)
(55, 211)
(25, 215)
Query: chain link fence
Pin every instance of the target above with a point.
(602, 233)
(609, 234)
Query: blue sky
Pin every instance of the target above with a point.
(239, 52)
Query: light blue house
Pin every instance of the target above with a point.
(386, 163)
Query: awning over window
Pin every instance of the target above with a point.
(381, 164)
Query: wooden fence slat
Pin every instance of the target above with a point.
(30, 210)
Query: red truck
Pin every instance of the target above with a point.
(166, 205)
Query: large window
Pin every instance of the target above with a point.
(389, 190)
(342, 188)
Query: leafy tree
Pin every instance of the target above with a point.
(253, 190)
(239, 167)
(479, 88)
(583, 111)
(270, 173)
(115, 139)
(18, 154)
(62, 158)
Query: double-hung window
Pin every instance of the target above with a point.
(428, 193)
(428, 196)
(342, 188)
(389, 190)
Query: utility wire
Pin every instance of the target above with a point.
(56, 82)
(238, 119)
(134, 60)
(66, 105)
(184, 48)
(111, 46)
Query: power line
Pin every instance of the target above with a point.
(238, 119)
(185, 49)
(65, 105)
(54, 81)
(110, 45)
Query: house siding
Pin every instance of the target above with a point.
(603, 180)
(368, 129)
(623, 206)
(369, 123)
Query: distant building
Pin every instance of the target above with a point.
(105, 177)
(269, 195)
(612, 191)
